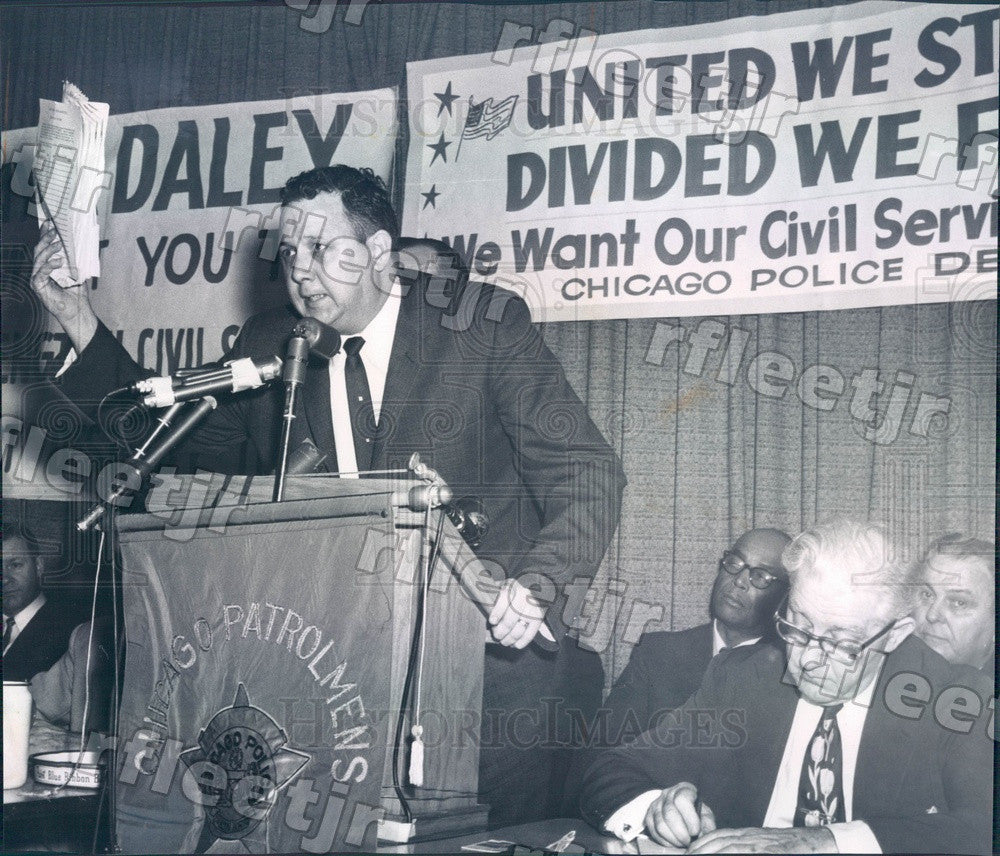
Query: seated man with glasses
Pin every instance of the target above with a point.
(854, 740)
(666, 667)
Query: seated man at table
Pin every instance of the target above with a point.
(36, 627)
(956, 612)
(840, 745)
(667, 667)
(76, 692)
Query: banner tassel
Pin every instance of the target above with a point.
(417, 757)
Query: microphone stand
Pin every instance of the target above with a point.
(143, 460)
(294, 375)
(160, 441)
(112, 845)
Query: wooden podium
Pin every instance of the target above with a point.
(270, 676)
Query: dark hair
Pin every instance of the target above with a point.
(956, 545)
(440, 247)
(20, 530)
(362, 193)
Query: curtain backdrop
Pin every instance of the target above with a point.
(706, 457)
(707, 460)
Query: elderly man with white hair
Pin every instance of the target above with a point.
(859, 738)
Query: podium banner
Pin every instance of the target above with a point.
(254, 710)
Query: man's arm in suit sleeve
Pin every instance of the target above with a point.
(570, 470)
(628, 702)
(622, 717)
(661, 757)
(102, 367)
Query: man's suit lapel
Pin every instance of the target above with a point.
(766, 765)
(399, 381)
(316, 406)
(403, 365)
(887, 742)
(33, 631)
(773, 702)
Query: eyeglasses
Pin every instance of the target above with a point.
(733, 564)
(844, 651)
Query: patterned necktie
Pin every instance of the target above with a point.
(359, 402)
(8, 630)
(821, 784)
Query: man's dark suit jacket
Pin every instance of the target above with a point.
(663, 671)
(474, 390)
(43, 641)
(922, 787)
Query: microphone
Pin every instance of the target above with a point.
(142, 461)
(235, 376)
(422, 496)
(307, 458)
(309, 336)
(323, 341)
(432, 494)
(470, 519)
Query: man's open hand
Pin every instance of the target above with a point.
(796, 840)
(516, 616)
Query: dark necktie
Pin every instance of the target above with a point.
(8, 630)
(359, 401)
(821, 784)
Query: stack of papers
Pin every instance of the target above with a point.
(69, 175)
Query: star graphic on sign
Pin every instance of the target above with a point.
(446, 99)
(439, 148)
(431, 197)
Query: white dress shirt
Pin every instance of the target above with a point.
(22, 618)
(853, 836)
(379, 336)
(718, 643)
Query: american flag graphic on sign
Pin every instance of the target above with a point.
(486, 119)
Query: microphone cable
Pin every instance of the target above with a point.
(108, 425)
(411, 669)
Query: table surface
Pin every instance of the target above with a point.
(45, 737)
(31, 791)
(47, 818)
(536, 836)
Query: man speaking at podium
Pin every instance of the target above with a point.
(471, 387)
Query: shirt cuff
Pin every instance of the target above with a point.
(856, 836)
(629, 820)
